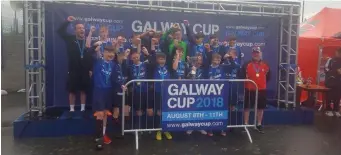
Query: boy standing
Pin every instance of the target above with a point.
(160, 72)
(219, 71)
(198, 72)
(102, 92)
(119, 78)
(138, 70)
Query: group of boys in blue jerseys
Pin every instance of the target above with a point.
(152, 55)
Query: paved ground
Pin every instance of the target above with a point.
(322, 138)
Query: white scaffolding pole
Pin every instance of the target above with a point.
(34, 56)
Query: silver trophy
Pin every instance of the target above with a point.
(193, 61)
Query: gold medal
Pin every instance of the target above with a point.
(257, 75)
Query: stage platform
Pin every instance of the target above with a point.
(56, 123)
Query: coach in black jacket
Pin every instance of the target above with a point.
(79, 63)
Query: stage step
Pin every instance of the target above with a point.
(58, 124)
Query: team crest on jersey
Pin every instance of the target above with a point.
(163, 71)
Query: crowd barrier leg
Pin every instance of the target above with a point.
(136, 140)
(238, 99)
(248, 134)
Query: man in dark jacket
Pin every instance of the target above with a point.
(79, 63)
(333, 81)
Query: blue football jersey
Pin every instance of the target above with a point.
(181, 70)
(102, 73)
(139, 72)
(216, 72)
(119, 76)
(160, 72)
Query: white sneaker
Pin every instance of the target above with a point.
(189, 132)
(337, 114)
(329, 113)
(203, 132)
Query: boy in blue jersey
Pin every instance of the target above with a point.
(119, 78)
(233, 45)
(138, 70)
(196, 46)
(232, 62)
(180, 68)
(102, 92)
(232, 68)
(219, 71)
(199, 71)
(134, 47)
(215, 46)
(160, 72)
(216, 71)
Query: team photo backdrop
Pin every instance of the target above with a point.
(249, 30)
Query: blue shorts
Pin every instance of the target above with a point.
(117, 99)
(102, 99)
(138, 100)
(155, 100)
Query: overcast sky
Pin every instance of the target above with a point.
(311, 7)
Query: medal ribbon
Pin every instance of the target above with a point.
(157, 48)
(179, 68)
(107, 72)
(81, 50)
(121, 74)
(138, 71)
(162, 72)
(256, 68)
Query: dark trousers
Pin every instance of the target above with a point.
(333, 96)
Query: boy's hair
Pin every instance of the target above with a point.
(134, 52)
(77, 23)
(216, 56)
(157, 34)
(135, 35)
(160, 55)
(213, 36)
(110, 48)
(104, 27)
(232, 38)
(179, 48)
(120, 34)
(175, 30)
(199, 35)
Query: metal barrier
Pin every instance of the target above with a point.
(142, 91)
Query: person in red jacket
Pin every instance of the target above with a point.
(258, 71)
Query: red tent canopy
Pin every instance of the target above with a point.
(320, 31)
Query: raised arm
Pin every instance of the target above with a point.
(176, 61)
(62, 31)
(88, 39)
(189, 33)
(139, 46)
(144, 34)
